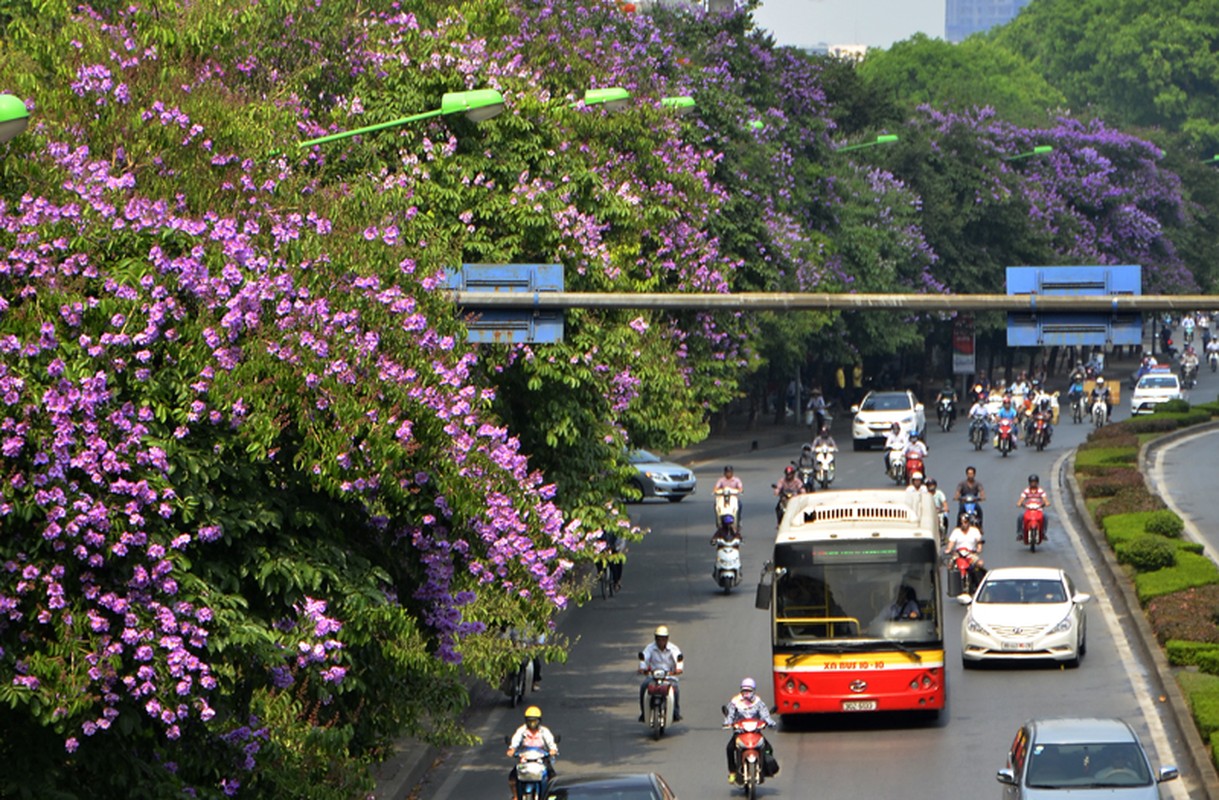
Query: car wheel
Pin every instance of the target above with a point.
(638, 486)
(676, 498)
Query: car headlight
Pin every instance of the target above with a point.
(653, 475)
(973, 627)
(1063, 626)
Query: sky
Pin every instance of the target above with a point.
(876, 23)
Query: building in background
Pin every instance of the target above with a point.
(963, 17)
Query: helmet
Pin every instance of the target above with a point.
(1100, 381)
(932, 482)
(895, 427)
(748, 685)
(806, 446)
(662, 630)
(916, 476)
(728, 468)
(1034, 479)
(914, 436)
(533, 716)
(789, 470)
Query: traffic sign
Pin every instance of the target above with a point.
(1033, 328)
(510, 325)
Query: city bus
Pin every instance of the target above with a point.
(855, 604)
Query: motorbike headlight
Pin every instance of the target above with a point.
(1063, 626)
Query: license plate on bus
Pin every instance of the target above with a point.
(1010, 645)
(858, 705)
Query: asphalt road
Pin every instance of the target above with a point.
(592, 701)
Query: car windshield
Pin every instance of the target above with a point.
(886, 402)
(1110, 764)
(643, 457)
(603, 791)
(1021, 591)
(1158, 382)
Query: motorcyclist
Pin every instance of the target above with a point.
(533, 734)
(1189, 364)
(660, 654)
(916, 483)
(747, 705)
(971, 486)
(980, 414)
(948, 393)
(1075, 392)
(806, 459)
(896, 441)
(730, 482)
(1036, 496)
(1008, 411)
(788, 487)
(966, 536)
(1212, 349)
(1187, 327)
(1100, 393)
(824, 439)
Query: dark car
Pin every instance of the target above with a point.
(639, 786)
(659, 478)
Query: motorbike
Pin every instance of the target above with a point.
(1077, 407)
(1212, 358)
(532, 773)
(914, 463)
(660, 702)
(962, 575)
(727, 570)
(750, 754)
(1040, 435)
(977, 432)
(1032, 526)
(823, 470)
(727, 511)
(971, 506)
(517, 685)
(807, 476)
(1189, 377)
(946, 410)
(897, 465)
(1100, 413)
(1005, 438)
(781, 505)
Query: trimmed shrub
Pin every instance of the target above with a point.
(1147, 553)
(1116, 435)
(1184, 653)
(1173, 407)
(1113, 482)
(1165, 523)
(1187, 418)
(1188, 618)
(1101, 460)
(1128, 501)
(1210, 408)
(1192, 570)
(1124, 527)
(1202, 693)
(1152, 424)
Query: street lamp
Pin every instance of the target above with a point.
(1040, 149)
(476, 104)
(679, 105)
(14, 117)
(613, 99)
(884, 138)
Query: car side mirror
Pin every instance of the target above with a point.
(1167, 774)
(1081, 597)
(918, 406)
(1006, 776)
(854, 409)
(964, 599)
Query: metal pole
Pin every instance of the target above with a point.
(809, 301)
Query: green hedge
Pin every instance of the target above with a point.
(1096, 460)
(1210, 408)
(1182, 653)
(1172, 407)
(1202, 693)
(1153, 424)
(1165, 523)
(1147, 552)
(1192, 569)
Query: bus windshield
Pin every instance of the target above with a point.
(832, 593)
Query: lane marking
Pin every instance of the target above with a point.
(1159, 479)
(1140, 679)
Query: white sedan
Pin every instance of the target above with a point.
(1025, 612)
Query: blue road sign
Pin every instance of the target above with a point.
(1035, 329)
(510, 326)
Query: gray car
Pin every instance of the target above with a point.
(1081, 759)
(656, 477)
(640, 786)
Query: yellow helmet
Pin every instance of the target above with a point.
(533, 712)
(663, 630)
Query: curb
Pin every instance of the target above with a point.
(1200, 768)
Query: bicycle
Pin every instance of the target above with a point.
(605, 580)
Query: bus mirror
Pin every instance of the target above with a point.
(762, 599)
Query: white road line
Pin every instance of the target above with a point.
(1158, 480)
(1139, 679)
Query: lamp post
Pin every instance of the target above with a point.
(14, 117)
(476, 104)
(1040, 149)
(884, 138)
(612, 99)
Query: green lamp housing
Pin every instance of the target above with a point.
(14, 117)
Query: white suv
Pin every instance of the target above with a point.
(877, 413)
(1158, 386)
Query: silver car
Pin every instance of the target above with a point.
(658, 478)
(1083, 759)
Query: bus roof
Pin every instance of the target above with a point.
(858, 514)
